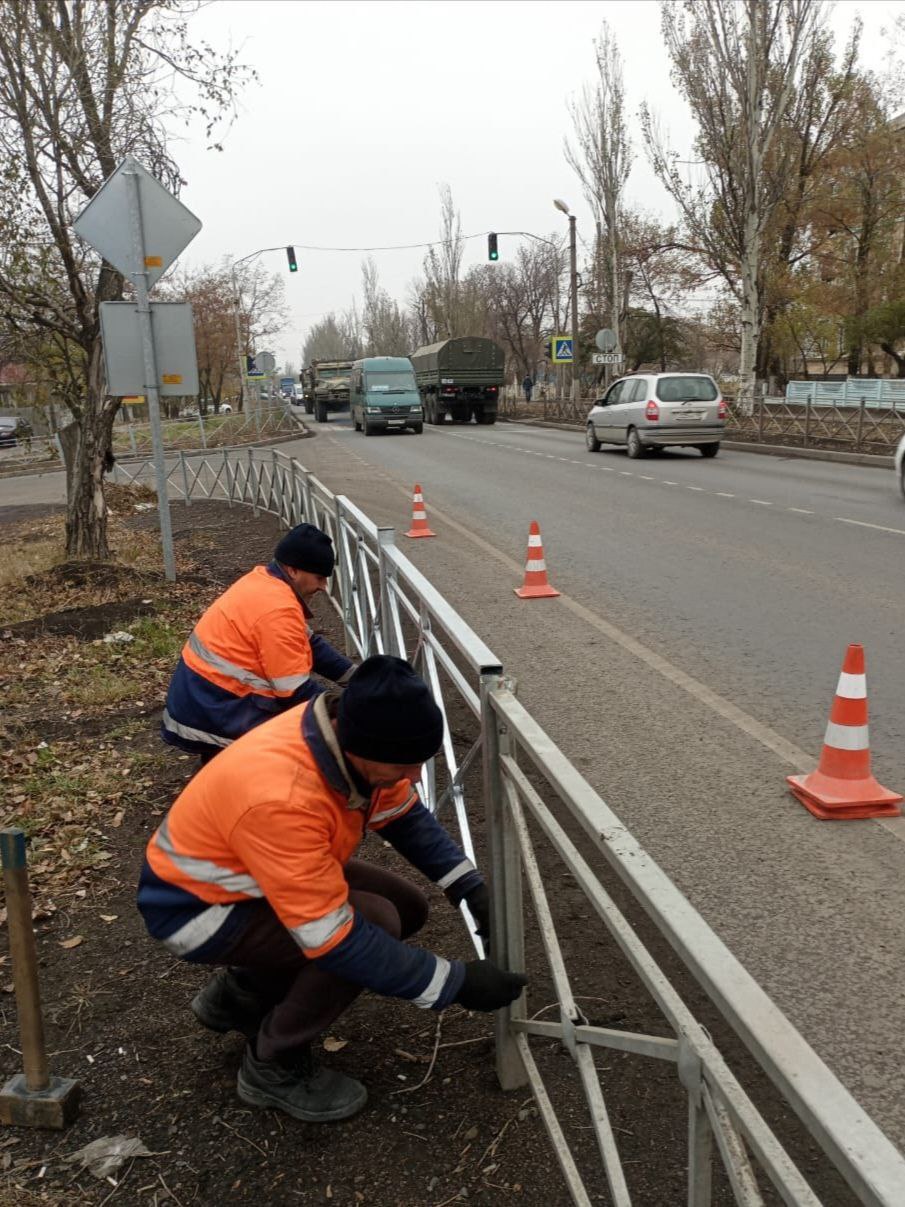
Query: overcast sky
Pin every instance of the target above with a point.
(363, 109)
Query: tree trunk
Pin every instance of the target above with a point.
(896, 356)
(86, 518)
(750, 310)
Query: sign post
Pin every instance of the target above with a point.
(140, 282)
(140, 228)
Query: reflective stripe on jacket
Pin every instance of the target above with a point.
(249, 657)
(278, 815)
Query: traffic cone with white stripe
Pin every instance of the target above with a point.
(842, 788)
(535, 585)
(419, 515)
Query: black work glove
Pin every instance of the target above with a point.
(487, 987)
(478, 901)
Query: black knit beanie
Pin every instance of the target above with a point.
(387, 713)
(306, 548)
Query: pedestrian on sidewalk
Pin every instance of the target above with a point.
(253, 868)
(527, 386)
(253, 652)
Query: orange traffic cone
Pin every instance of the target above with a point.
(535, 585)
(419, 515)
(842, 788)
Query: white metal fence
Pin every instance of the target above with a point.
(387, 605)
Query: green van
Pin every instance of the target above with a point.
(383, 395)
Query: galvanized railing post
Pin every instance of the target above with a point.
(185, 480)
(132, 439)
(227, 478)
(507, 941)
(860, 426)
(253, 481)
(386, 540)
(345, 577)
(700, 1136)
(807, 421)
(201, 430)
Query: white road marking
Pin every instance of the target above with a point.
(647, 477)
(694, 487)
(724, 494)
(864, 524)
(800, 510)
(760, 502)
(667, 483)
(626, 473)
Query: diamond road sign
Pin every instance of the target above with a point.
(562, 350)
(167, 226)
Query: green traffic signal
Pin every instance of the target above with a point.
(290, 253)
(492, 251)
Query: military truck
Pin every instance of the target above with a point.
(326, 387)
(460, 378)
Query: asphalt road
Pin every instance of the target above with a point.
(687, 668)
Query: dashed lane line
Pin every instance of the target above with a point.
(761, 502)
(864, 524)
(800, 510)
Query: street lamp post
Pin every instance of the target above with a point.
(573, 270)
(237, 304)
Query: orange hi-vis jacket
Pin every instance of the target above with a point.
(277, 816)
(249, 657)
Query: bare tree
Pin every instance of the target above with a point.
(385, 326)
(443, 270)
(737, 65)
(602, 159)
(82, 83)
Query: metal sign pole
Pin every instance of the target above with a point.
(140, 281)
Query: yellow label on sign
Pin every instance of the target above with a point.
(153, 262)
(171, 379)
(133, 398)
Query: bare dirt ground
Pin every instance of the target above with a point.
(87, 777)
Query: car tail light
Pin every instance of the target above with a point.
(652, 411)
(721, 410)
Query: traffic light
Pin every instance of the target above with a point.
(250, 366)
(492, 252)
(290, 253)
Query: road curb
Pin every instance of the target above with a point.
(742, 446)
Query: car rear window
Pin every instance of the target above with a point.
(686, 389)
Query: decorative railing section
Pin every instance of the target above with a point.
(863, 426)
(386, 604)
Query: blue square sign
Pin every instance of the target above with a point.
(562, 349)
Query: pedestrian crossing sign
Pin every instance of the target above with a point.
(562, 350)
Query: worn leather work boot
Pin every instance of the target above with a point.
(303, 1089)
(224, 1005)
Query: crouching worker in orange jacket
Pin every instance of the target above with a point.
(252, 653)
(253, 868)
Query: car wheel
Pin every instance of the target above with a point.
(902, 479)
(417, 428)
(320, 412)
(368, 430)
(709, 450)
(591, 441)
(633, 445)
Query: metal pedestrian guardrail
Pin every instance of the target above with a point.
(530, 788)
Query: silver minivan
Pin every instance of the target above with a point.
(652, 410)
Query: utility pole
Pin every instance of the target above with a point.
(573, 271)
(573, 268)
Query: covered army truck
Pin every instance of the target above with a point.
(459, 378)
(326, 387)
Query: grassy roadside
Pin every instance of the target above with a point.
(85, 657)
